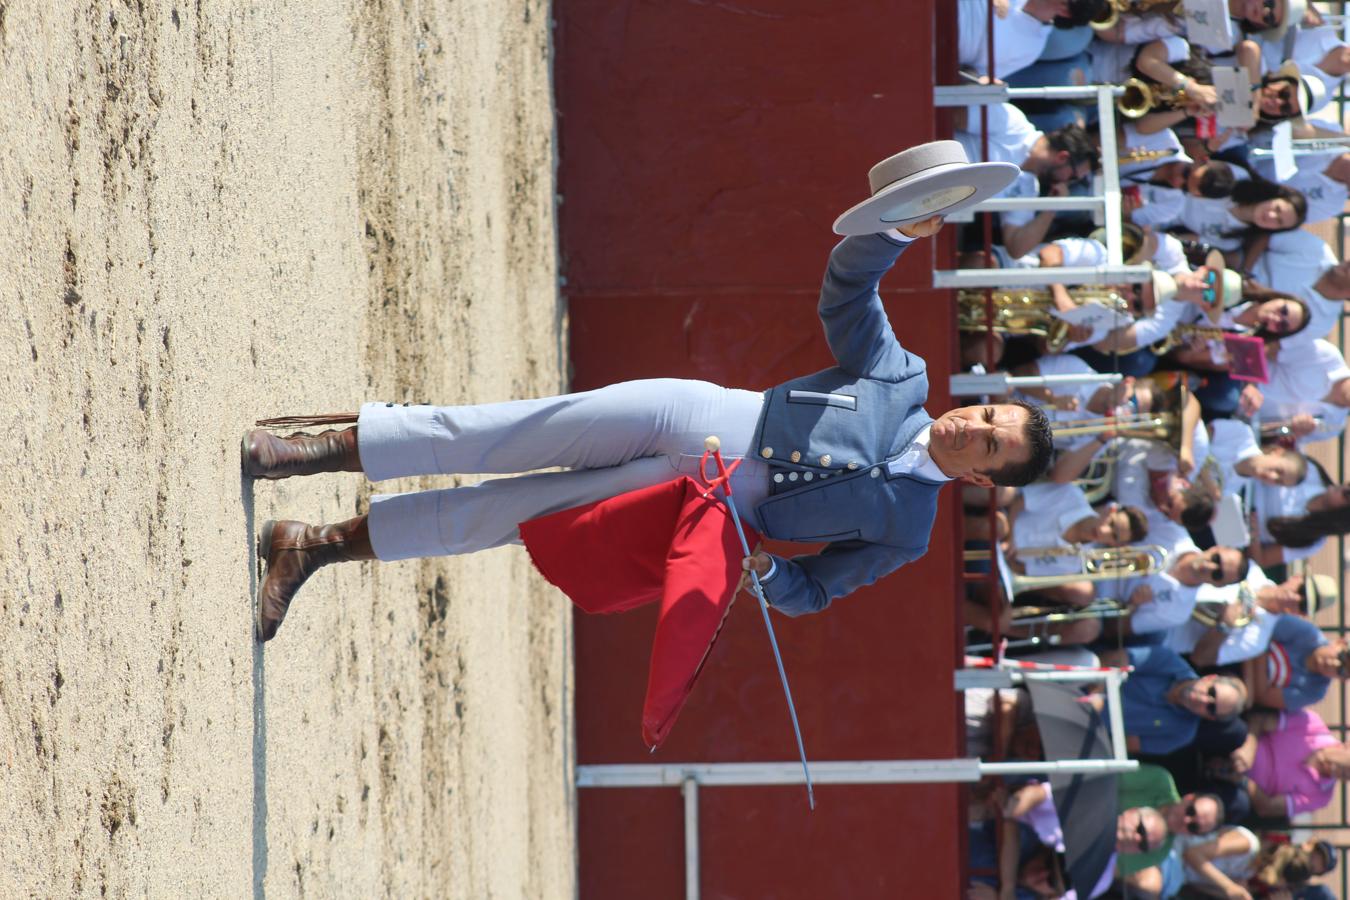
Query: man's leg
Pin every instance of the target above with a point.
(590, 430)
(594, 429)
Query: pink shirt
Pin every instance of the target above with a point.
(1279, 767)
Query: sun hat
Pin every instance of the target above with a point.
(933, 179)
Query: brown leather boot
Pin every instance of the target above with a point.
(267, 455)
(293, 552)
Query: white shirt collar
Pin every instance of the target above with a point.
(916, 459)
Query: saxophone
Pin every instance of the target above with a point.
(1141, 98)
(1179, 334)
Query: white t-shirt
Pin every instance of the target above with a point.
(1326, 197)
(1231, 443)
(1292, 264)
(1170, 256)
(1311, 45)
(1130, 488)
(1237, 867)
(1019, 39)
(1065, 364)
(1011, 134)
(1272, 500)
(1049, 511)
(1247, 642)
(1304, 374)
(1024, 185)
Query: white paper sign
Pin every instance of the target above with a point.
(1208, 25)
(1235, 97)
(1103, 320)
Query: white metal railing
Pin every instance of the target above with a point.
(690, 777)
(993, 384)
(1106, 204)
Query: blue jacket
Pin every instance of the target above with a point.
(843, 425)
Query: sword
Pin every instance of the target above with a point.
(713, 446)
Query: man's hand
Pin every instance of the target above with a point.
(759, 561)
(1250, 400)
(1302, 425)
(1140, 595)
(922, 229)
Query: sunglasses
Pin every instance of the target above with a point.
(1191, 825)
(1268, 17)
(1284, 93)
(1212, 706)
(1142, 833)
(1215, 572)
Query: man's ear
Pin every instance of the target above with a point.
(979, 479)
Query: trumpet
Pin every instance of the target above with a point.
(1141, 98)
(1030, 312)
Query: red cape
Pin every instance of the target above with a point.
(666, 542)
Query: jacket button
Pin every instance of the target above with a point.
(795, 456)
(876, 473)
(853, 465)
(807, 476)
(778, 478)
(767, 453)
(825, 460)
(792, 476)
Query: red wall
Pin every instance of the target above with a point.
(705, 149)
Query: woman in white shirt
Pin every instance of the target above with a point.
(1254, 206)
(1295, 522)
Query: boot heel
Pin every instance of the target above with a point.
(264, 549)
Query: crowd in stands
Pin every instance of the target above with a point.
(1170, 534)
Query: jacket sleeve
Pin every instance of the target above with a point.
(856, 327)
(807, 584)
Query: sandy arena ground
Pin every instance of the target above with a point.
(216, 211)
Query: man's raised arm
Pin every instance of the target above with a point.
(856, 326)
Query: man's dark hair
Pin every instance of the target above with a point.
(1081, 12)
(1197, 508)
(1218, 180)
(1074, 140)
(1138, 523)
(1040, 441)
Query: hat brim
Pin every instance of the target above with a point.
(1319, 592)
(939, 191)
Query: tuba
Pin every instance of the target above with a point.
(1031, 311)
(1141, 98)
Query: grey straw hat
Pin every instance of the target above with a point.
(933, 179)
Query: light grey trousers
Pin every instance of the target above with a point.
(615, 439)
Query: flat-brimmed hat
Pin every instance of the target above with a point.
(1319, 592)
(1312, 91)
(1294, 11)
(934, 179)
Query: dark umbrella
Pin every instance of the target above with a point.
(1086, 802)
